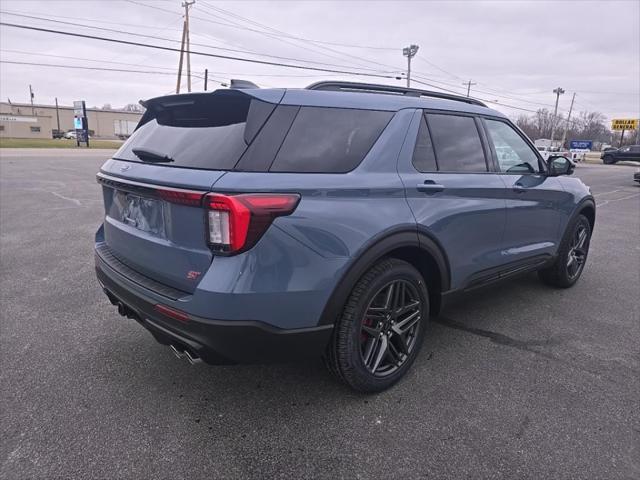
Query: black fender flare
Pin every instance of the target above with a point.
(374, 250)
(588, 201)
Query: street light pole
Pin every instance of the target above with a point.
(409, 52)
(558, 91)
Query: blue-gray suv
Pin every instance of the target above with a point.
(254, 225)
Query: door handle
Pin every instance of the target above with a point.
(429, 186)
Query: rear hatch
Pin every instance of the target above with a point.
(154, 185)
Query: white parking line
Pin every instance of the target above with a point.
(617, 200)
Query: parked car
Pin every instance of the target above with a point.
(253, 225)
(547, 152)
(57, 133)
(71, 134)
(625, 153)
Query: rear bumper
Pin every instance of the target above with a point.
(214, 341)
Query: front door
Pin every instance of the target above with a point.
(533, 199)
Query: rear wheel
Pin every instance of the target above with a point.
(572, 255)
(381, 328)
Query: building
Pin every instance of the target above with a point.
(19, 120)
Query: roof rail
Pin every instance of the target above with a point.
(337, 86)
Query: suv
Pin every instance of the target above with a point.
(631, 152)
(254, 225)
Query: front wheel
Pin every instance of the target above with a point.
(608, 160)
(380, 331)
(572, 255)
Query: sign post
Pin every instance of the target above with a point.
(624, 124)
(80, 122)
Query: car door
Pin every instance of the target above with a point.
(533, 199)
(454, 195)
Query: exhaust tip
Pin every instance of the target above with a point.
(176, 352)
(182, 352)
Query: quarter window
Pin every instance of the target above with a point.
(457, 143)
(513, 153)
(329, 140)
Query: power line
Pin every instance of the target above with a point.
(22, 52)
(205, 54)
(154, 37)
(79, 67)
(275, 34)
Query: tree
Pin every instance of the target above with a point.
(134, 107)
(585, 126)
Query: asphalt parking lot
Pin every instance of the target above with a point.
(520, 381)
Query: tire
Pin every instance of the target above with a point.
(608, 160)
(572, 255)
(381, 328)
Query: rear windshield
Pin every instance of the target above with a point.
(230, 130)
(207, 132)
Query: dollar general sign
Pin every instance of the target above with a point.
(624, 124)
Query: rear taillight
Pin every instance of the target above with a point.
(182, 197)
(236, 222)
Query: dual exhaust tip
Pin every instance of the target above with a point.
(182, 352)
(178, 351)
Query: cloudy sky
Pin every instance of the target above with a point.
(515, 52)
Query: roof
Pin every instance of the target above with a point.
(354, 95)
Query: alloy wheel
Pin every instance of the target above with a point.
(389, 327)
(578, 252)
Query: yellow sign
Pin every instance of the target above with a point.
(624, 124)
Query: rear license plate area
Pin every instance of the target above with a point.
(144, 213)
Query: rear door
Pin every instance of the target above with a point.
(454, 194)
(154, 185)
(533, 199)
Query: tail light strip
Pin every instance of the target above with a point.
(235, 223)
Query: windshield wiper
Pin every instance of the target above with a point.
(147, 155)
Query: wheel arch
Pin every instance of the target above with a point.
(416, 248)
(587, 207)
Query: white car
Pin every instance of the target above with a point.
(72, 134)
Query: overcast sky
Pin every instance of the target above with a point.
(515, 52)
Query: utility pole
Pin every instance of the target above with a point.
(468, 84)
(33, 112)
(206, 78)
(566, 126)
(558, 91)
(57, 115)
(186, 6)
(409, 52)
(183, 44)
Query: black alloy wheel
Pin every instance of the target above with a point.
(389, 327)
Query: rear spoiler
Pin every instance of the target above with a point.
(157, 104)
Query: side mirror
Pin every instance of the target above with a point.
(560, 166)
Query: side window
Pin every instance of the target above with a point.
(457, 143)
(424, 158)
(329, 140)
(514, 155)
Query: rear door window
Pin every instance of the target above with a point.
(457, 143)
(329, 140)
